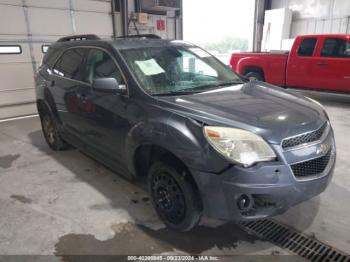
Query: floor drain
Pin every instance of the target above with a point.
(300, 244)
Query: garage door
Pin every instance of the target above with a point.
(27, 27)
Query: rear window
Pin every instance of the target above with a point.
(307, 47)
(335, 47)
(69, 64)
(51, 55)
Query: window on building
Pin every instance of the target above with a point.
(307, 47)
(69, 64)
(335, 47)
(10, 49)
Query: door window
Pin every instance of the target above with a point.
(69, 64)
(335, 47)
(100, 64)
(307, 47)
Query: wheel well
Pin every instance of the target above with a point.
(146, 155)
(254, 69)
(40, 104)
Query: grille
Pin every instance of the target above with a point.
(305, 138)
(300, 244)
(312, 167)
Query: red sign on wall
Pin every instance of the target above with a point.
(160, 25)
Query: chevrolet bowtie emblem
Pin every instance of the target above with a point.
(322, 149)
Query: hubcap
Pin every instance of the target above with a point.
(252, 78)
(168, 198)
(48, 129)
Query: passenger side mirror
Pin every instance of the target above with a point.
(108, 85)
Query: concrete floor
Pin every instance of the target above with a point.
(66, 203)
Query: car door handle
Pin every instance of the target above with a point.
(322, 63)
(347, 77)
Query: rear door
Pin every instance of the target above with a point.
(333, 64)
(65, 85)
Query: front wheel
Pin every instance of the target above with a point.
(253, 76)
(174, 197)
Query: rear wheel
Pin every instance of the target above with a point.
(174, 197)
(252, 76)
(51, 133)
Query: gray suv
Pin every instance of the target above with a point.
(209, 142)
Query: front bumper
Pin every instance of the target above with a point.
(271, 188)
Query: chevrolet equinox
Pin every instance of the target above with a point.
(208, 141)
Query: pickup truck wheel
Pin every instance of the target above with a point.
(52, 137)
(254, 76)
(173, 197)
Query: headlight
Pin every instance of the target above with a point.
(238, 145)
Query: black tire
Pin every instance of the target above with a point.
(174, 197)
(50, 131)
(254, 76)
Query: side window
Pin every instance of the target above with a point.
(307, 47)
(99, 64)
(335, 47)
(69, 63)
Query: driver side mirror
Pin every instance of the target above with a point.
(108, 85)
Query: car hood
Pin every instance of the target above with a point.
(267, 110)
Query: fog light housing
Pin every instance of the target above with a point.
(244, 202)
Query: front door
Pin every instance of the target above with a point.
(105, 114)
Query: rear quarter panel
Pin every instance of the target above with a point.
(272, 65)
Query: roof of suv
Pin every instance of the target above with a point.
(119, 43)
(134, 41)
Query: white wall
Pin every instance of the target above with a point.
(32, 23)
(317, 16)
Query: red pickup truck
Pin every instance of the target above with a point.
(315, 61)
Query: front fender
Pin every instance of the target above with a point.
(182, 136)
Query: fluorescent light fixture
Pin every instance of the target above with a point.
(10, 49)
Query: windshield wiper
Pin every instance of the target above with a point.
(199, 89)
(229, 83)
(178, 93)
(214, 86)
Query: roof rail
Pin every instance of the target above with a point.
(78, 38)
(151, 36)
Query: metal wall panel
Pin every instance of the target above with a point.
(11, 2)
(62, 4)
(317, 16)
(12, 20)
(44, 21)
(47, 20)
(93, 6)
(91, 22)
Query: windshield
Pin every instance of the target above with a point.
(177, 70)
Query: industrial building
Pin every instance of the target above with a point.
(63, 203)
